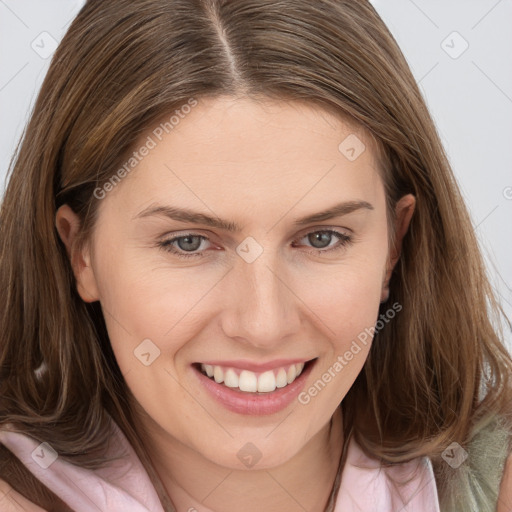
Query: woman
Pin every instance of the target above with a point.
(260, 286)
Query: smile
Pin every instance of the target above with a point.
(251, 389)
(248, 381)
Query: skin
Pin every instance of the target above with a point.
(261, 165)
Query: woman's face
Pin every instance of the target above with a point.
(213, 255)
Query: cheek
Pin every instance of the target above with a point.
(347, 295)
(144, 297)
(349, 307)
(346, 298)
(145, 310)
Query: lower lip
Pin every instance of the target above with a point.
(255, 404)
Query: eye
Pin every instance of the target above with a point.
(187, 246)
(322, 239)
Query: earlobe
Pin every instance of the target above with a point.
(67, 223)
(403, 214)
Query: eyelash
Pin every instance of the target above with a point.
(344, 240)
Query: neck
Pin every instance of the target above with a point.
(196, 484)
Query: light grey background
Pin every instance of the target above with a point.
(458, 50)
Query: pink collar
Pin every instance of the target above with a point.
(368, 487)
(124, 486)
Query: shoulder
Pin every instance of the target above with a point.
(20, 490)
(505, 494)
(490, 463)
(369, 484)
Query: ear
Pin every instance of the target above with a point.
(67, 223)
(403, 214)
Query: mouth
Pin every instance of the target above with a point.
(253, 382)
(244, 391)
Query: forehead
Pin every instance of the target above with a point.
(252, 153)
(244, 129)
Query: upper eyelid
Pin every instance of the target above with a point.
(307, 231)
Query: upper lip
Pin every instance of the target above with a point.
(256, 367)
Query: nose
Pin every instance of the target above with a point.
(261, 308)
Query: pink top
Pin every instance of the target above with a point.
(124, 486)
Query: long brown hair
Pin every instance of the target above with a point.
(432, 374)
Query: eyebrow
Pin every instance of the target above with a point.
(193, 217)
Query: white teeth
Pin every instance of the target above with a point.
(292, 374)
(251, 382)
(218, 374)
(267, 382)
(248, 381)
(231, 378)
(281, 381)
